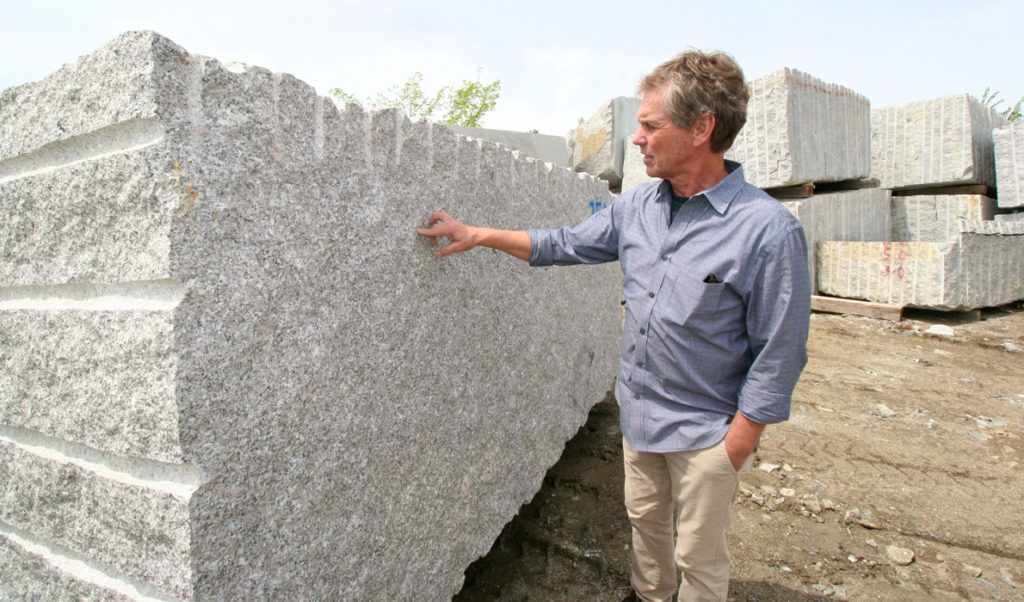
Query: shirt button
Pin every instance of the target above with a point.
(639, 364)
(651, 295)
(637, 396)
(632, 348)
(642, 331)
(664, 257)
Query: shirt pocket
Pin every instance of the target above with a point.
(691, 301)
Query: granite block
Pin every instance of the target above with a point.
(255, 303)
(979, 268)
(800, 129)
(939, 142)
(595, 146)
(1008, 143)
(935, 218)
(1016, 216)
(856, 215)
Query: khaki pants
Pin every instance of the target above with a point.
(688, 494)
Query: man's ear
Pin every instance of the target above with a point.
(703, 127)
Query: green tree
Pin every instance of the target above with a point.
(991, 100)
(465, 105)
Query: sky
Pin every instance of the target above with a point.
(557, 60)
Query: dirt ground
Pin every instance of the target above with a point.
(898, 477)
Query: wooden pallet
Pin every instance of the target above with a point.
(886, 311)
(838, 305)
(803, 191)
(981, 189)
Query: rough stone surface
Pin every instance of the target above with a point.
(800, 129)
(979, 268)
(355, 430)
(856, 215)
(939, 142)
(1010, 217)
(1009, 152)
(551, 149)
(935, 218)
(595, 147)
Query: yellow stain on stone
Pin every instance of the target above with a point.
(591, 143)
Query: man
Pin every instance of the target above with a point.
(717, 311)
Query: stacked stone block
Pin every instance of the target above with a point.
(980, 267)
(939, 142)
(230, 369)
(800, 129)
(595, 147)
(936, 218)
(1009, 152)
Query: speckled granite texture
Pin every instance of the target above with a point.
(230, 369)
(800, 129)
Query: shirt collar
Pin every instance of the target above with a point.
(721, 195)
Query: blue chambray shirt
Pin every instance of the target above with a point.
(694, 352)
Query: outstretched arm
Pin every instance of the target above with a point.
(463, 238)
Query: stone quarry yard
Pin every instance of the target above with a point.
(898, 477)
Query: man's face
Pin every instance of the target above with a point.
(665, 146)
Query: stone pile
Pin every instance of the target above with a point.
(230, 369)
(945, 251)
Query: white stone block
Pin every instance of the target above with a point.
(230, 368)
(800, 129)
(856, 215)
(935, 218)
(939, 142)
(1009, 152)
(979, 268)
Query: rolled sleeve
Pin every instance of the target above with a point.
(592, 241)
(778, 318)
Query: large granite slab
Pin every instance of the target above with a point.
(1009, 152)
(939, 142)
(980, 267)
(801, 129)
(222, 338)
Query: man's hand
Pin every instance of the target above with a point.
(442, 224)
(741, 439)
(463, 238)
